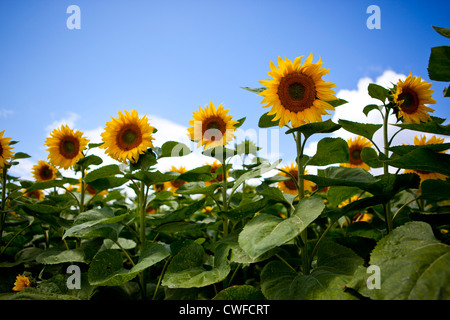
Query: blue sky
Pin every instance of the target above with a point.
(166, 58)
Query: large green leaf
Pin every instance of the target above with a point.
(187, 269)
(362, 129)
(243, 292)
(439, 63)
(102, 172)
(84, 254)
(330, 151)
(423, 160)
(92, 218)
(174, 149)
(107, 268)
(413, 265)
(336, 265)
(377, 92)
(315, 127)
(434, 126)
(265, 232)
(266, 121)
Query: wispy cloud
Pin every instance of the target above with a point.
(5, 113)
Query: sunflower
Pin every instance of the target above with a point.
(65, 147)
(90, 190)
(362, 216)
(297, 93)
(5, 150)
(411, 96)
(43, 171)
(288, 186)
(219, 176)
(355, 147)
(425, 175)
(173, 185)
(22, 281)
(126, 137)
(36, 194)
(212, 127)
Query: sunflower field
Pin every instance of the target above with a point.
(212, 232)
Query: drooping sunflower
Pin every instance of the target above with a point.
(411, 96)
(65, 146)
(297, 93)
(126, 137)
(22, 281)
(212, 127)
(288, 186)
(355, 146)
(5, 150)
(173, 185)
(43, 171)
(425, 175)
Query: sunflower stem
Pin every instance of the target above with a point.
(141, 207)
(3, 213)
(83, 173)
(387, 205)
(301, 195)
(224, 196)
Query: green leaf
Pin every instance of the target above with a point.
(241, 292)
(107, 183)
(240, 122)
(46, 185)
(435, 190)
(315, 127)
(362, 129)
(151, 178)
(442, 31)
(255, 90)
(402, 150)
(180, 214)
(197, 188)
(378, 92)
(187, 268)
(244, 211)
(20, 155)
(90, 160)
(336, 265)
(82, 254)
(329, 151)
(174, 149)
(145, 161)
(423, 160)
(337, 102)
(342, 176)
(107, 269)
(255, 172)
(265, 232)
(439, 64)
(434, 126)
(202, 173)
(102, 172)
(266, 121)
(92, 218)
(370, 157)
(413, 265)
(369, 108)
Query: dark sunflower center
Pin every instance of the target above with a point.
(46, 173)
(177, 183)
(1, 150)
(69, 147)
(129, 137)
(91, 190)
(213, 128)
(291, 184)
(410, 101)
(296, 92)
(355, 155)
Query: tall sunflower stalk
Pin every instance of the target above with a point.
(126, 139)
(5, 155)
(212, 127)
(297, 94)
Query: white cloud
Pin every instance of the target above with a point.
(5, 113)
(70, 121)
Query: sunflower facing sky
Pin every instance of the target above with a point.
(425, 175)
(43, 171)
(212, 127)
(288, 186)
(411, 96)
(5, 150)
(126, 137)
(355, 146)
(297, 93)
(65, 147)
